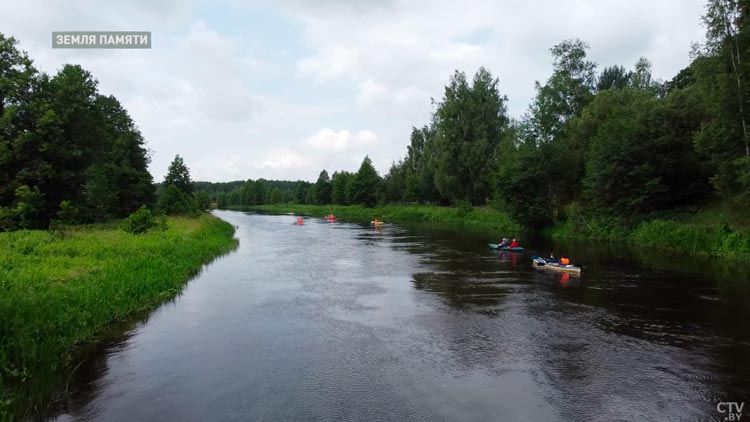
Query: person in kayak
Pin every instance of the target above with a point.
(504, 243)
(552, 258)
(564, 260)
(514, 244)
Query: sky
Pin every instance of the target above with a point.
(245, 89)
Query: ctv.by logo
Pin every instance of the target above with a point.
(731, 409)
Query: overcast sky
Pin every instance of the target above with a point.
(281, 90)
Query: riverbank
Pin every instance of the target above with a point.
(59, 290)
(718, 231)
(478, 217)
(715, 232)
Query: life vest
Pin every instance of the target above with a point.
(564, 261)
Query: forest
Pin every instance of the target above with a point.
(610, 142)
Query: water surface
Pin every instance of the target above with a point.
(335, 321)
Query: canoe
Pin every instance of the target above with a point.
(506, 248)
(542, 264)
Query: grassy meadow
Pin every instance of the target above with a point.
(60, 288)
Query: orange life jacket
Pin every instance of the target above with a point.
(565, 261)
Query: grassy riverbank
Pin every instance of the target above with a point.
(719, 231)
(480, 217)
(58, 291)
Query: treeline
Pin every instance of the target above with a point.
(613, 142)
(67, 152)
(344, 188)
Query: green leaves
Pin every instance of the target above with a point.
(469, 122)
(178, 175)
(365, 185)
(73, 145)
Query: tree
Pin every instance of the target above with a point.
(173, 201)
(394, 183)
(468, 122)
(365, 184)
(566, 93)
(420, 173)
(322, 189)
(178, 175)
(520, 182)
(339, 187)
(100, 193)
(728, 35)
(177, 195)
(202, 201)
(640, 156)
(64, 139)
(613, 77)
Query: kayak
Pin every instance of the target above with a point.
(379, 223)
(542, 264)
(330, 218)
(506, 248)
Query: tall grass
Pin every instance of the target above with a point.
(479, 217)
(718, 240)
(56, 292)
(712, 238)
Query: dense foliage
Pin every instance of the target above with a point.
(66, 151)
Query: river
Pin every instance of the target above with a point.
(336, 321)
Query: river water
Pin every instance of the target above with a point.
(335, 321)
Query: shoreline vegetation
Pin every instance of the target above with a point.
(61, 288)
(705, 233)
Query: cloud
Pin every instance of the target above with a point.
(283, 160)
(329, 140)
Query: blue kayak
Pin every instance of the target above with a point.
(505, 248)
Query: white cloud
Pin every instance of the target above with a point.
(329, 140)
(334, 62)
(283, 160)
(453, 52)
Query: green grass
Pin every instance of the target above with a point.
(479, 217)
(719, 230)
(58, 292)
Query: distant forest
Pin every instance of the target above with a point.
(610, 141)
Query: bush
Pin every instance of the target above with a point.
(68, 213)
(140, 221)
(173, 201)
(161, 223)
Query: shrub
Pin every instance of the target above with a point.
(173, 201)
(140, 221)
(68, 213)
